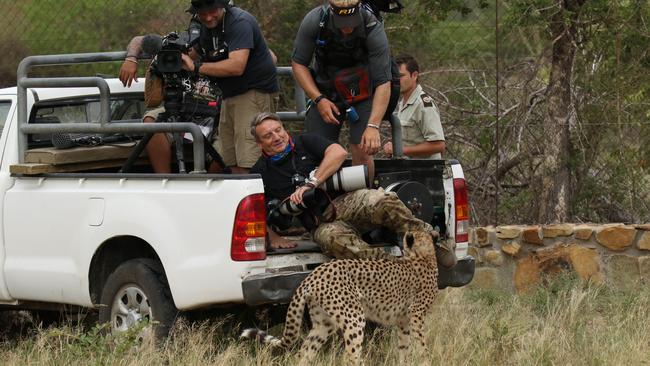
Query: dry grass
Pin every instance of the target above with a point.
(564, 324)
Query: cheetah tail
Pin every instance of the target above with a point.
(261, 336)
(292, 325)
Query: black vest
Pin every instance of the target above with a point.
(334, 53)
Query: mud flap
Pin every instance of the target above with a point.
(272, 288)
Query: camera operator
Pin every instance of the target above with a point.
(285, 166)
(194, 98)
(232, 51)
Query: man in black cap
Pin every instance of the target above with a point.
(351, 74)
(232, 51)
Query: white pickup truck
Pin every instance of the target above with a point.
(77, 230)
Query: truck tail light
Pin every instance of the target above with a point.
(462, 210)
(249, 234)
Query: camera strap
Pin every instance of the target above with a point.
(274, 165)
(332, 215)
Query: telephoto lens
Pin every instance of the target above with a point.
(348, 179)
(290, 208)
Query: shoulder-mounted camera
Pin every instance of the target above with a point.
(169, 58)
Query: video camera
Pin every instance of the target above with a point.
(187, 97)
(169, 59)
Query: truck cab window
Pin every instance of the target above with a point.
(4, 112)
(83, 111)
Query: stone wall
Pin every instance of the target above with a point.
(519, 257)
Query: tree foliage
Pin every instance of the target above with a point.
(489, 65)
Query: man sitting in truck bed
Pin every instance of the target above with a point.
(284, 164)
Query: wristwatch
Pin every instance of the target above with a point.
(313, 182)
(197, 66)
(319, 98)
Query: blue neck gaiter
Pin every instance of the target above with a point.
(280, 156)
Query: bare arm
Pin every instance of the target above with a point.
(304, 79)
(425, 149)
(334, 157)
(380, 100)
(134, 48)
(370, 140)
(129, 68)
(234, 65)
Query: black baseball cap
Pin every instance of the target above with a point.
(201, 5)
(346, 13)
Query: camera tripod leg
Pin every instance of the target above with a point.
(178, 145)
(135, 154)
(215, 155)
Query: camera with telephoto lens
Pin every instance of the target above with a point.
(281, 213)
(170, 56)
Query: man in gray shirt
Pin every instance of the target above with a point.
(350, 79)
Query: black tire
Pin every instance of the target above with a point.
(141, 282)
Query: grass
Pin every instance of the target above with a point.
(564, 323)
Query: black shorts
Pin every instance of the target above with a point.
(315, 124)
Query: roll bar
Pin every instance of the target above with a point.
(106, 126)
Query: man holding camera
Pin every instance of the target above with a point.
(293, 168)
(351, 74)
(202, 94)
(231, 51)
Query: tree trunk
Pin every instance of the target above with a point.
(554, 191)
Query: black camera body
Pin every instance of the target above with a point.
(170, 56)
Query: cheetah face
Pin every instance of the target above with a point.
(425, 244)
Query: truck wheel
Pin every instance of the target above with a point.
(138, 291)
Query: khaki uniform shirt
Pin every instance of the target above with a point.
(420, 120)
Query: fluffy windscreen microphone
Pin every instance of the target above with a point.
(151, 44)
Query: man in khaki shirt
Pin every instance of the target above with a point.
(422, 134)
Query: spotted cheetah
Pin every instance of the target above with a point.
(343, 294)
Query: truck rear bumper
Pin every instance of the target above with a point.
(278, 288)
(459, 275)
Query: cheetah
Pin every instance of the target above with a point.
(343, 294)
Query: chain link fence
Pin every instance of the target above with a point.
(487, 71)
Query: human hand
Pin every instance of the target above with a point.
(328, 111)
(370, 141)
(128, 72)
(296, 197)
(388, 149)
(188, 63)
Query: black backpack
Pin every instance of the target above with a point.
(374, 6)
